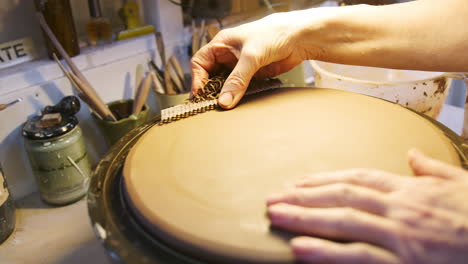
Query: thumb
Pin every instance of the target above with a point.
(237, 82)
(422, 165)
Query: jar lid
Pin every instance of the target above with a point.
(36, 128)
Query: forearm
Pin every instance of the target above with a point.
(421, 35)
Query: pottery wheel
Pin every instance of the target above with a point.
(199, 184)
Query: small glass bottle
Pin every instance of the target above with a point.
(99, 29)
(59, 17)
(56, 150)
(7, 210)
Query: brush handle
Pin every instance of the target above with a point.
(195, 42)
(101, 109)
(89, 91)
(179, 85)
(158, 86)
(180, 72)
(161, 49)
(168, 81)
(138, 77)
(142, 94)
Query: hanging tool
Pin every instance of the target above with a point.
(5, 106)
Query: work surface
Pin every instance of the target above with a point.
(63, 235)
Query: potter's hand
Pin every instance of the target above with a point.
(264, 48)
(389, 218)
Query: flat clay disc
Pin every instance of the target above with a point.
(200, 183)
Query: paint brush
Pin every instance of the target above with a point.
(90, 92)
(142, 94)
(5, 106)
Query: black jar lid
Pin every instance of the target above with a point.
(34, 129)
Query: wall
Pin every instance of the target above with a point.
(110, 69)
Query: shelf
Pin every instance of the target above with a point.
(36, 72)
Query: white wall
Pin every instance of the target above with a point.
(110, 69)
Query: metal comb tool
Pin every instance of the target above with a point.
(207, 99)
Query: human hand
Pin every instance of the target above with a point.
(387, 218)
(264, 48)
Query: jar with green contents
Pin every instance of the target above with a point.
(57, 153)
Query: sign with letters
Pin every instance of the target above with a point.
(16, 52)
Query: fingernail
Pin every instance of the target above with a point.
(225, 100)
(276, 212)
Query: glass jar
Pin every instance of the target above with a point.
(59, 159)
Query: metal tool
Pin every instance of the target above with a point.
(191, 108)
(5, 106)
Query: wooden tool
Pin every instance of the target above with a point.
(178, 84)
(161, 49)
(99, 108)
(158, 86)
(195, 42)
(212, 31)
(168, 81)
(178, 70)
(90, 91)
(140, 72)
(142, 94)
(5, 106)
(80, 92)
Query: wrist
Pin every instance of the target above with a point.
(322, 33)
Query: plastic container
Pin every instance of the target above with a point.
(422, 91)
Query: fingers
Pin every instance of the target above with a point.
(209, 59)
(335, 195)
(375, 179)
(315, 250)
(422, 165)
(202, 63)
(238, 81)
(334, 223)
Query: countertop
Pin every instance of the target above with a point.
(63, 235)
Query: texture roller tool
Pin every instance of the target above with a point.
(206, 98)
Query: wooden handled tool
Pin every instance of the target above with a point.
(140, 72)
(178, 69)
(91, 93)
(195, 42)
(212, 31)
(142, 94)
(5, 106)
(100, 109)
(92, 105)
(158, 86)
(161, 49)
